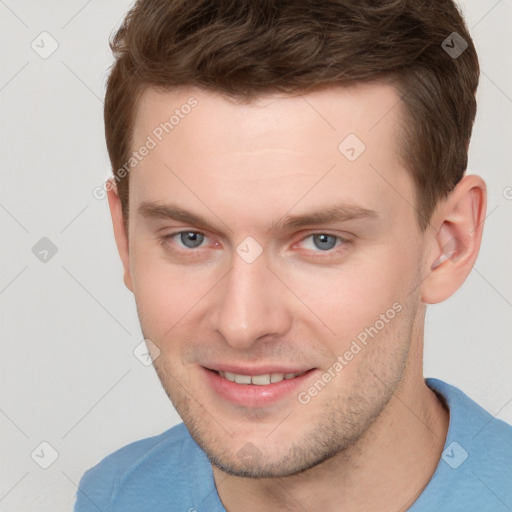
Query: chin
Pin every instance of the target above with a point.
(262, 459)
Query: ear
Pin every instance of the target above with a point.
(458, 223)
(120, 232)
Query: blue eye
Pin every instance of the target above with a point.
(190, 239)
(322, 241)
(315, 243)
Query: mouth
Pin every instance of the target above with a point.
(259, 380)
(257, 387)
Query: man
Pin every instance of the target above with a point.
(289, 194)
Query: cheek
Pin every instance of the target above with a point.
(162, 292)
(172, 300)
(362, 309)
(351, 296)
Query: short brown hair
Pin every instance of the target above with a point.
(246, 48)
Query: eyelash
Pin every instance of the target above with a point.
(341, 243)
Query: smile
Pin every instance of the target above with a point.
(258, 380)
(259, 389)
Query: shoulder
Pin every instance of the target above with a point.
(475, 469)
(150, 457)
(470, 421)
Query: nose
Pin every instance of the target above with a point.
(252, 304)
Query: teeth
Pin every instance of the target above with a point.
(258, 380)
(228, 375)
(242, 379)
(261, 380)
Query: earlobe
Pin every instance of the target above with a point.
(120, 234)
(454, 246)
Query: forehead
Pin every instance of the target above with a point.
(276, 148)
(369, 110)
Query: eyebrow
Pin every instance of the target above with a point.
(338, 213)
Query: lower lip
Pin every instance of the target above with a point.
(252, 395)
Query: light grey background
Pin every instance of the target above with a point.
(68, 325)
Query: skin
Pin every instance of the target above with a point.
(372, 438)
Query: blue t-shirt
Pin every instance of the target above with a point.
(171, 473)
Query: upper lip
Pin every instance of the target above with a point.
(256, 370)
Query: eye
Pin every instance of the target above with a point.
(189, 239)
(322, 241)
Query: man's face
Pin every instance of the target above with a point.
(251, 291)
